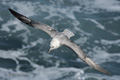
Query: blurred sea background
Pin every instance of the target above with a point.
(24, 50)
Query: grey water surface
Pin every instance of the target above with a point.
(24, 50)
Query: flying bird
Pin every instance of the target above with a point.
(59, 39)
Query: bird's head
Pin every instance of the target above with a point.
(54, 44)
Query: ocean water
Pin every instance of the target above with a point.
(24, 50)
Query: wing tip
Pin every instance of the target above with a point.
(96, 66)
(20, 17)
(106, 72)
(13, 12)
(10, 9)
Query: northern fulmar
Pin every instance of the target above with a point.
(59, 39)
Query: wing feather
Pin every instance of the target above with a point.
(84, 57)
(33, 23)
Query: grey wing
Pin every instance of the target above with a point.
(33, 23)
(83, 56)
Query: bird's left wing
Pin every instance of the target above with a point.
(83, 56)
(34, 24)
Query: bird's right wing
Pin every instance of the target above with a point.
(35, 24)
(83, 56)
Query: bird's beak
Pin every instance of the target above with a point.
(49, 50)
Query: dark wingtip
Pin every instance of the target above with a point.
(20, 17)
(10, 10)
(15, 13)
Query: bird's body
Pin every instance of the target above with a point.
(59, 39)
(55, 42)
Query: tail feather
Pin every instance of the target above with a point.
(68, 33)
